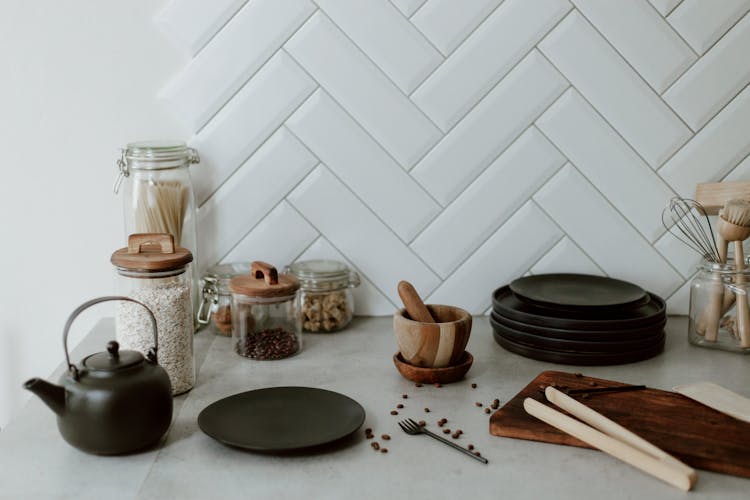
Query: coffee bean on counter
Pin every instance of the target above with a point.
(422, 423)
(369, 436)
(477, 454)
(399, 406)
(417, 385)
(459, 431)
(368, 431)
(473, 386)
(375, 445)
(385, 437)
(405, 396)
(394, 412)
(427, 410)
(455, 435)
(383, 450)
(478, 404)
(446, 431)
(495, 404)
(487, 410)
(471, 447)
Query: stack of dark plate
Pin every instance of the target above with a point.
(578, 319)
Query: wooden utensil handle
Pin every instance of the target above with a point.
(663, 470)
(137, 241)
(265, 271)
(413, 303)
(743, 310)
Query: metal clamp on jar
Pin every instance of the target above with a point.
(265, 318)
(216, 300)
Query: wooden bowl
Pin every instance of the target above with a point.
(433, 345)
(433, 375)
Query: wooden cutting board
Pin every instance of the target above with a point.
(696, 434)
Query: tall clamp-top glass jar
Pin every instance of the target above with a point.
(718, 302)
(152, 270)
(216, 299)
(265, 318)
(326, 302)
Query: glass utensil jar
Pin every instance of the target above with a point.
(326, 302)
(265, 317)
(215, 307)
(718, 295)
(152, 270)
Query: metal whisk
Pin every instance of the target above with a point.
(686, 219)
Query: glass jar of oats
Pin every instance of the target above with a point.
(326, 302)
(152, 270)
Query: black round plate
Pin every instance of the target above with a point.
(576, 346)
(577, 290)
(505, 304)
(281, 419)
(579, 359)
(578, 335)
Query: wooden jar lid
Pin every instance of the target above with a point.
(151, 252)
(264, 281)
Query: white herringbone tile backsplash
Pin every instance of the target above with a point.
(459, 143)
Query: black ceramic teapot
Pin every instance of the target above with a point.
(115, 402)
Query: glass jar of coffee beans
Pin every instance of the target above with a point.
(265, 318)
(326, 302)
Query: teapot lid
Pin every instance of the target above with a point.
(113, 359)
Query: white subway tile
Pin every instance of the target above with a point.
(678, 303)
(363, 165)
(485, 57)
(615, 90)
(642, 37)
(257, 186)
(665, 6)
(278, 238)
(490, 127)
(362, 89)
(404, 54)
(684, 259)
(251, 117)
(741, 172)
(233, 56)
(607, 161)
(408, 7)
(702, 22)
(566, 257)
(715, 79)
(616, 247)
(355, 231)
(714, 151)
(506, 255)
(488, 202)
(190, 24)
(368, 301)
(447, 23)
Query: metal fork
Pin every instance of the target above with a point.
(410, 427)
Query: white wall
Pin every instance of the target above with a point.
(78, 81)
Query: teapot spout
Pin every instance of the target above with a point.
(52, 395)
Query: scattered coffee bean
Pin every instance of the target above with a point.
(495, 404)
(446, 431)
(578, 375)
(383, 450)
(477, 454)
(422, 423)
(427, 410)
(592, 383)
(478, 404)
(399, 406)
(405, 396)
(385, 437)
(473, 386)
(394, 412)
(471, 447)
(369, 436)
(487, 410)
(455, 435)
(368, 431)
(375, 445)
(438, 384)
(417, 385)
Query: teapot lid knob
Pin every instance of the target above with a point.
(112, 348)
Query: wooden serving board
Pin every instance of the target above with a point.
(696, 434)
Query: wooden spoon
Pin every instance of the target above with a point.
(413, 303)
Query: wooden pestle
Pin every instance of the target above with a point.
(413, 303)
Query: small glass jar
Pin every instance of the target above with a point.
(326, 301)
(265, 317)
(215, 307)
(719, 310)
(157, 273)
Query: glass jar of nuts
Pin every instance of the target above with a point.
(215, 307)
(326, 302)
(265, 316)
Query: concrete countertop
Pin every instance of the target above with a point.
(35, 462)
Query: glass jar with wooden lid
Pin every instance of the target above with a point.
(265, 319)
(156, 272)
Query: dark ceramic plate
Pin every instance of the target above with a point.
(578, 335)
(577, 290)
(281, 419)
(576, 346)
(507, 305)
(579, 359)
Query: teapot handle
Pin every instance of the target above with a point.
(151, 354)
